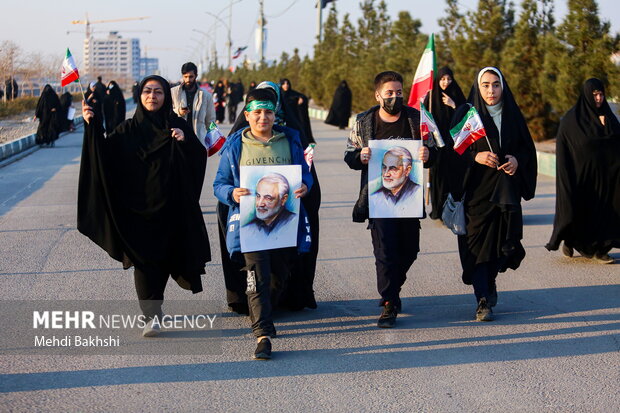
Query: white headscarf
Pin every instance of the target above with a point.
(496, 110)
(494, 70)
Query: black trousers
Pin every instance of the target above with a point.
(396, 243)
(150, 286)
(232, 112)
(483, 279)
(267, 275)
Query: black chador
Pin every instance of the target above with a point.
(138, 197)
(446, 174)
(340, 111)
(66, 99)
(492, 197)
(113, 107)
(587, 206)
(48, 112)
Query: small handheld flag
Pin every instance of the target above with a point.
(69, 72)
(429, 127)
(468, 131)
(309, 155)
(214, 140)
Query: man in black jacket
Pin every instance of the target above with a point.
(396, 241)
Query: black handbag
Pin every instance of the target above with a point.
(453, 215)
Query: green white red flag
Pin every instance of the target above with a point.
(424, 74)
(468, 131)
(428, 127)
(214, 140)
(69, 72)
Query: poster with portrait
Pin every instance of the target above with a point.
(395, 179)
(270, 215)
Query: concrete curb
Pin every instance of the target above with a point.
(546, 161)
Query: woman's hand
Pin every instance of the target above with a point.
(365, 155)
(447, 100)
(87, 112)
(239, 192)
(178, 134)
(301, 192)
(511, 166)
(423, 153)
(487, 159)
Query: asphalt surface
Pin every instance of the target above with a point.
(554, 347)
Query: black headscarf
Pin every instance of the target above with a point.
(492, 197)
(340, 111)
(290, 101)
(441, 112)
(139, 192)
(587, 206)
(48, 112)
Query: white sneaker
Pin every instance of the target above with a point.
(152, 328)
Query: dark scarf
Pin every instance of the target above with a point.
(587, 176)
(441, 112)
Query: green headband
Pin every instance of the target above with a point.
(260, 104)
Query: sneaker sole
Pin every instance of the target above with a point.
(262, 356)
(385, 325)
(151, 333)
(484, 318)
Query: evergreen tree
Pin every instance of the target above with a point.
(483, 37)
(522, 61)
(587, 53)
(405, 44)
(451, 27)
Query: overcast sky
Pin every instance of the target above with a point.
(42, 25)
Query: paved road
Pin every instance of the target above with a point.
(555, 345)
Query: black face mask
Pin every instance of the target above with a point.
(392, 105)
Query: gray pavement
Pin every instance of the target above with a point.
(555, 345)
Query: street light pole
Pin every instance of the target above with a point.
(319, 25)
(229, 36)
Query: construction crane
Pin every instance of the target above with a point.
(108, 31)
(88, 22)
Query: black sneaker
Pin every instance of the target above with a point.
(263, 350)
(387, 319)
(484, 312)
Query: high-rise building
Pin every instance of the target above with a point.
(149, 66)
(112, 57)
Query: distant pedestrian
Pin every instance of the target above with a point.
(113, 106)
(297, 102)
(252, 86)
(48, 113)
(587, 206)
(395, 241)
(446, 175)
(11, 88)
(66, 103)
(135, 92)
(193, 103)
(219, 99)
(498, 176)
(138, 197)
(235, 96)
(340, 111)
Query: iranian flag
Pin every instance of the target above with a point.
(214, 140)
(423, 79)
(428, 127)
(468, 131)
(69, 72)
